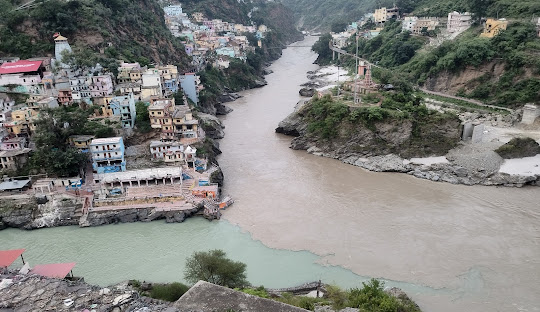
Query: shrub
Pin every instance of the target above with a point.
(168, 292)
(518, 148)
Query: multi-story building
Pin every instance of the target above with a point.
(130, 87)
(169, 77)
(173, 10)
(125, 70)
(14, 159)
(151, 84)
(108, 155)
(15, 143)
(408, 23)
(101, 85)
(425, 24)
(103, 102)
(82, 142)
(167, 151)
(160, 111)
(458, 22)
(198, 17)
(185, 126)
(124, 106)
(493, 27)
(22, 76)
(65, 97)
(380, 15)
(20, 122)
(80, 90)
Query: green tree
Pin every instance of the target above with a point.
(322, 48)
(338, 26)
(479, 8)
(142, 118)
(213, 266)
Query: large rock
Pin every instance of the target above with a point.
(308, 92)
(294, 124)
(211, 125)
(207, 297)
(392, 163)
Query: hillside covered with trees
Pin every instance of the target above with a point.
(110, 29)
(321, 14)
(504, 70)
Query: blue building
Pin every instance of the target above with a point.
(190, 85)
(170, 85)
(108, 155)
(124, 106)
(228, 51)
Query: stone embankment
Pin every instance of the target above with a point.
(25, 212)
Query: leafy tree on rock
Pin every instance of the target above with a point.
(213, 266)
(322, 48)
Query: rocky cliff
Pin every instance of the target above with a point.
(30, 213)
(391, 145)
(403, 137)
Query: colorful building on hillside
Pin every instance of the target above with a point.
(101, 85)
(65, 97)
(151, 84)
(82, 142)
(22, 77)
(458, 22)
(493, 27)
(169, 78)
(124, 106)
(108, 155)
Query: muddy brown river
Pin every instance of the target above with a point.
(477, 248)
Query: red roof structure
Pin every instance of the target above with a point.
(7, 257)
(54, 270)
(20, 67)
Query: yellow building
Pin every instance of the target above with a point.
(380, 15)
(23, 114)
(105, 108)
(81, 141)
(493, 27)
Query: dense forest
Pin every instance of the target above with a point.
(111, 29)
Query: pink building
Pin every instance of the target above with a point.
(65, 97)
(101, 86)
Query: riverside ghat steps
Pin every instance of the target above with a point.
(84, 207)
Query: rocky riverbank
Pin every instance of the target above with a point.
(26, 212)
(467, 163)
(31, 292)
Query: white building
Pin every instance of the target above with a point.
(458, 22)
(151, 84)
(61, 46)
(409, 22)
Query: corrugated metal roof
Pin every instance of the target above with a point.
(7, 257)
(13, 185)
(55, 270)
(20, 67)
